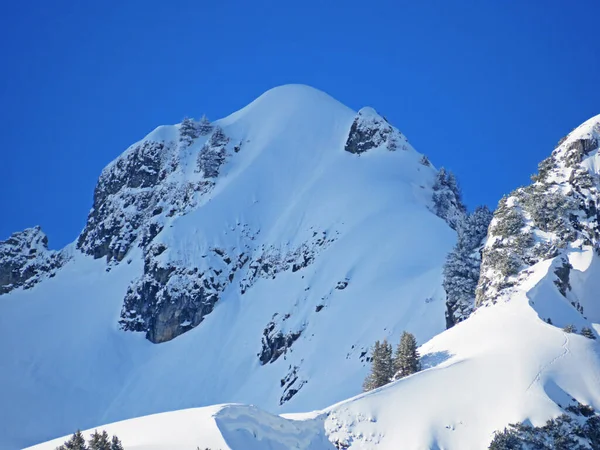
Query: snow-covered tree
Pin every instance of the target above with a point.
(546, 208)
(461, 270)
(188, 131)
(406, 359)
(99, 441)
(204, 126)
(77, 442)
(588, 333)
(474, 228)
(578, 428)
(115, 444)
(381, 366)
(447, 199)
(213, 154)
(570, 328)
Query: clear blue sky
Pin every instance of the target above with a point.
(485, 88)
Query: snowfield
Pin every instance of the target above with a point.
(502, 365)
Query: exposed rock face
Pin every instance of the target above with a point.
(269, 261)
(170, 298)
(546, 219)
(25, 260)
(370, 130)
(125, 198)
(147, 184)
(291, 384)
(275, 343)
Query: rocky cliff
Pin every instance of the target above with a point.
(25, 260)
(556, 218)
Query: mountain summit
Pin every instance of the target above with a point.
(256, 259)
(252, 259)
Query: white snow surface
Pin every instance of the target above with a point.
(500, 366)
(66, 364)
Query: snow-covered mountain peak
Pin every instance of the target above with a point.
(273, 243)
(284, 107)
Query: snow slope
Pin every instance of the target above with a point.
(500, 366)
(215, 427)
(376, 272)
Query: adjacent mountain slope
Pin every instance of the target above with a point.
(265, 252)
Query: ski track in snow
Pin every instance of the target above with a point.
(565, 351)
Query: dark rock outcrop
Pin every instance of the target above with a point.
(170, 299)
(275, 343)
(136, 192)
(370, 130)
(270, 260)
(125, 197)
(291, 384)
(25, 260)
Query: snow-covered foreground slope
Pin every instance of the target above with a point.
(272, 251)
(217, 428)
(502, 365)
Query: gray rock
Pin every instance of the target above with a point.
(25, 260)
(369, 130)
(170, 299)
(275, 343)
(124, 198)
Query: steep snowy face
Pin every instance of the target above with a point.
(25, 260)
(556, 218)
(262, 255)
(173, 171)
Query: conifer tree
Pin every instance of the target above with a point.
(406, 360)
(116, 444)
(204, 126)
(447, 199)
(77, 442)
(381, 366)
(188, 131)
(588, 333)
(461, 270)
(99, 441)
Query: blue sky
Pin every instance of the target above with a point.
(485, 88)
